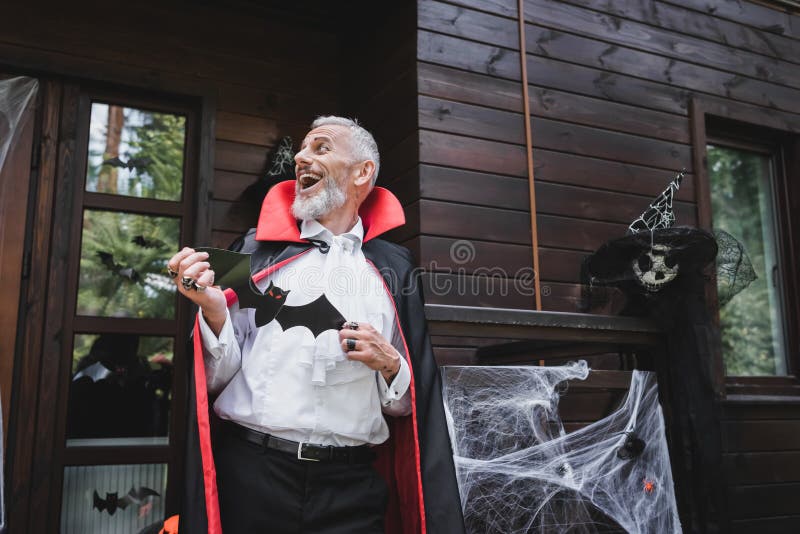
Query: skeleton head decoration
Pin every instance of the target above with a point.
(655, 268)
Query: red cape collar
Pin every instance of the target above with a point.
(380, 212)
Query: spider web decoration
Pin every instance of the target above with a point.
(519, 472)
(282, 161)
(734, 269)
(659, 213)
(16, 94)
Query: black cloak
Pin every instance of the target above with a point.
(416, 461)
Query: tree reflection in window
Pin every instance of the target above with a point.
(742, 200)
(134, 152)
(123, 262)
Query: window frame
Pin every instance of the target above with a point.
(778, 134)
(38, 452)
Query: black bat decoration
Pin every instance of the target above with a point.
(232, 270)
(128, 273)
(137, 164)
(145, 242)
(113, 501)
(318, 315)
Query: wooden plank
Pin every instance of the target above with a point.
(682, 20)
(584, 203)
(471, 187)
(398, 159)
(593, 79)
(563, 232)
(505, 226)
(757, 411)
(486, 224)
(238, 157)
(751, 436)
(15, 180)
(475, 121)
(588, 406)
(230, 185)
(451, 84)
(287, 109)
(614, 58)
(601, 113)
(585, 171)
(454, 356)
(468, 24)
(233, 216)
(767, 525)
(506, 8)
(560, 297)
(223, 239)
(762, 467)
(468, 55)
(469, 153)
(663, 41)
(482, 291)
(605, 144)
(20, 480)
(764, 18)
(468, 256)
(248, 129)
(180, 48)
(763, 501)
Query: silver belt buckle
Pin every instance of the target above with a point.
(300, 453)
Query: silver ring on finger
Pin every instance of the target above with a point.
(351, 344)
(172, 274)
(188, 283)
(352, 325)
(198, 287)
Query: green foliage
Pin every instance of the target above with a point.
(160, 142)
(740, 198)
(133, 282)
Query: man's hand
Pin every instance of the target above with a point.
(190, 264)
(371, 349)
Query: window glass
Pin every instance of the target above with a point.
(123, 262)
(742, 198)
(121, 388)
(134, 152)
(123, 499)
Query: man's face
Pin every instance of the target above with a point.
(323, 169)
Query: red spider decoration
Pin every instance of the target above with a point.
(649, 486)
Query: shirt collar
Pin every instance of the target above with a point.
(313, 229)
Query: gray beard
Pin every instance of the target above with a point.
(331, 197)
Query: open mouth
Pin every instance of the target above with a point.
(308, 179)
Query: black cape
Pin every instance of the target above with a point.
(417, 459)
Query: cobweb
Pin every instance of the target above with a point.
(519, 472)
(15, 96)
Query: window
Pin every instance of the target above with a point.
(743, 194)
(124, 326)
(747, 166)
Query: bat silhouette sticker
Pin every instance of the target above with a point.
(114, 501)
(232, 270)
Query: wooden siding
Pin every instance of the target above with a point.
(265, 80)
(609, 85)
(610, 90)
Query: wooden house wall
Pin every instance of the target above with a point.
(266, 74)
(610, 86)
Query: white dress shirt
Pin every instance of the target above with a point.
(288, 384)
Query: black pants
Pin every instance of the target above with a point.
(268, 491)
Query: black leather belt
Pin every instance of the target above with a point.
(304, 451)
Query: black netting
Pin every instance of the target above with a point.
(734, 269)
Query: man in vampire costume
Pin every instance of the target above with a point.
(317, 429)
